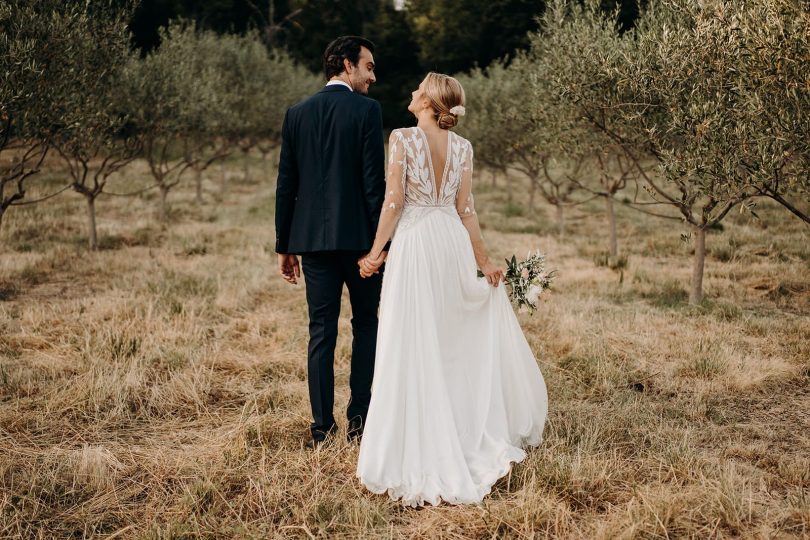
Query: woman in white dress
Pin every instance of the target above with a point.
(457, 393)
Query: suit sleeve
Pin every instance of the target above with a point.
(373, 164)
(286, 189)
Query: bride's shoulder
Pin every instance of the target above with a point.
(462, 141)
(404, 131)
(404, 136)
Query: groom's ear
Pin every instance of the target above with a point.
(348, 66)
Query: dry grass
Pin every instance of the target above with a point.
(156, 388)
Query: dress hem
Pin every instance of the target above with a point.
(399, 493)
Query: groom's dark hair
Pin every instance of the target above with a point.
(344, 47)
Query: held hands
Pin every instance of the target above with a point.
(370, 266)
(493, 274)
(289, 268)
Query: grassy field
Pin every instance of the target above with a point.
(157, 388)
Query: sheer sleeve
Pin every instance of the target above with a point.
(394, 193)
(465, 206)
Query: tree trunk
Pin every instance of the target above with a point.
(92, 236)
(614, 244)
(493, 172)
(532, 190)
(560, 219)
(2, 213)
(164, 208)
(696, 294)
(247, 166)
(266, 163)
(508, 184)
(198, 184)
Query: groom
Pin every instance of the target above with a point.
(331, 185)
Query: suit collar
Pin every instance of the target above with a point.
(334, 88)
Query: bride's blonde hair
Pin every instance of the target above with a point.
(444, 93)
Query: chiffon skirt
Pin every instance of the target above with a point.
(457, 393)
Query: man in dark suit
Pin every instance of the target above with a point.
(331, 185)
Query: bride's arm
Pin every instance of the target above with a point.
(465, 206)
(392, 205)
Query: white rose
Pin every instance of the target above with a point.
(533, 294)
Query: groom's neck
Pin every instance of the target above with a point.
(343, 77)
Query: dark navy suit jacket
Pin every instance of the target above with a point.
(331, 176)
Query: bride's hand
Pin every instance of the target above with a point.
(369, 266)
(493, 274)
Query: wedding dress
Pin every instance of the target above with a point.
(457, 394)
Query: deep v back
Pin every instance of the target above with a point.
(437, 160)
(427, 176)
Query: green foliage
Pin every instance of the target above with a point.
(92, 111)
(93, 141)
(489, 95)
(509, 129)
(199, 83)
(259, 87)
(717, 92)
(200, 89)
(712, 92)
(35, 40)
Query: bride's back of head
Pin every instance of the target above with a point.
(447, 97)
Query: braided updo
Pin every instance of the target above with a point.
(446, 95)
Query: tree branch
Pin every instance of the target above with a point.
(768, 192)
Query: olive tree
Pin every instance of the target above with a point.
(95, 140)
(484, 103)
(202, 118)
(290, 83)
(160, 90)
(248, 66)
(261, 85)
(35, 38)
(716, 95)
(537, 147)
(774, 127)
(698, 89)
(583, 87)
(517, 135)
(200, 94)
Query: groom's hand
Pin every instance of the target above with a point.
(289, 268)
(369, 266)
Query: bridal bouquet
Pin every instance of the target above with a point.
(527, 279)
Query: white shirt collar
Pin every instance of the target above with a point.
(338, 81)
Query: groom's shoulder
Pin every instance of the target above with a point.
(355, 101)
(302, 105)
(362, 103)
(370, 102)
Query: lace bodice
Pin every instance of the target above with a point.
(410, 159)
(411, 183)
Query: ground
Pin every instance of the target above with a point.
(156, 388)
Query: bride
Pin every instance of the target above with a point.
(457, 393)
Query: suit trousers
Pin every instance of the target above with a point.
(324, 274)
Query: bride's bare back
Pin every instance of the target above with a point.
(437, 142)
